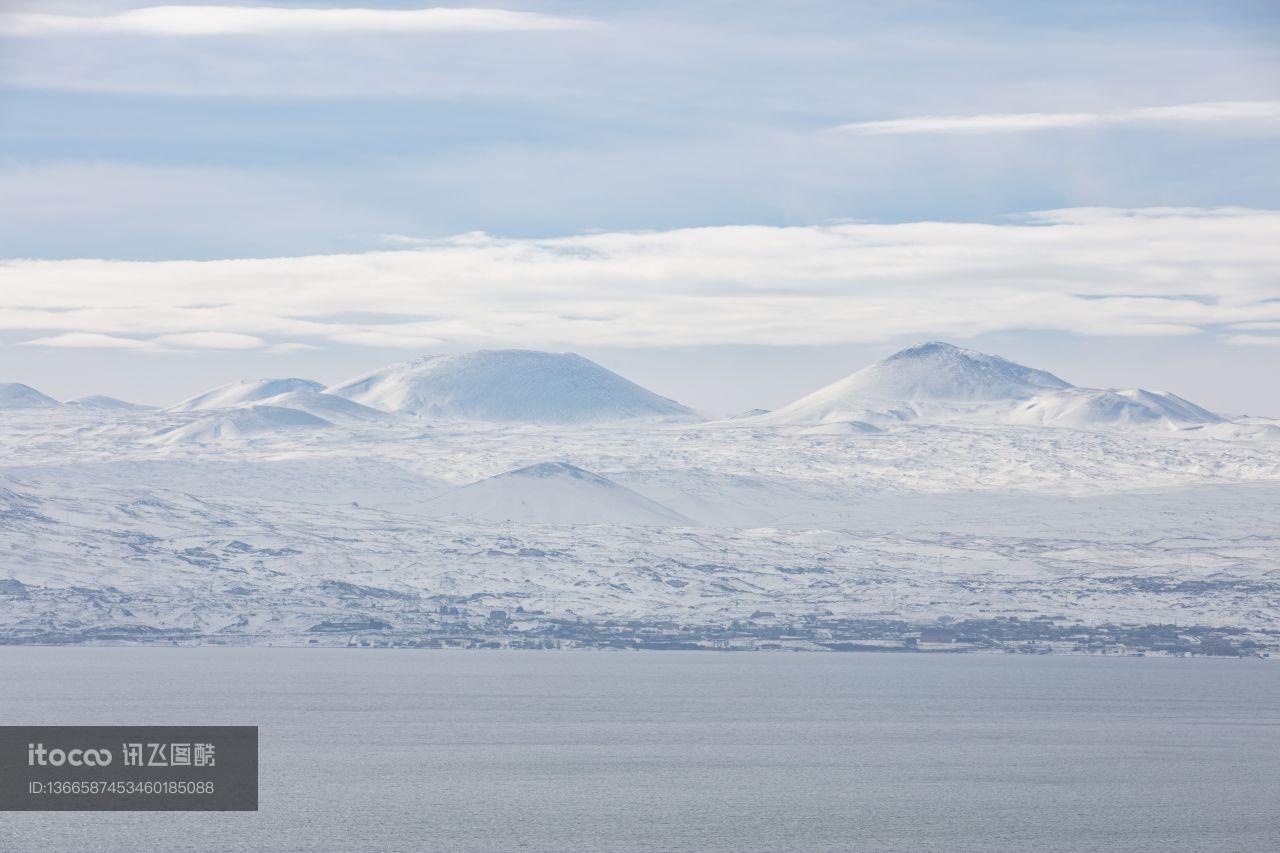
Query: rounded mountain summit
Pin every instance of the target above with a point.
(510, 385)
(940, 382)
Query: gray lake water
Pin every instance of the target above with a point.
(465, 750)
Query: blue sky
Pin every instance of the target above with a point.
(126, 136)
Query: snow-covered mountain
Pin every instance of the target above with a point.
(246, 528)
(939, 382)
(328, 406)
(509, 386)
(841, 428)
(1246, 430)
(938, 371)
(99, 403)
(270, 514)
(228, 424)
(15, 395)
(1091, 407)
(553, 493)
(244, 391)
(922, 380)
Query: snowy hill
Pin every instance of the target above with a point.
(254, 523)
(842, 428)
(99, 403)
(918, 381)
(240, 423)
(553, 493)
(509, 386)
(1089, 407)
(1238, 431)
(328, 406)
(15, 395)
(938, 382)
(242, 392)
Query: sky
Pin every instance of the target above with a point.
(730, 203)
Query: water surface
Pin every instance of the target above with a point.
(478, 751)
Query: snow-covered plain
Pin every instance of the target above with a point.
(929, 496)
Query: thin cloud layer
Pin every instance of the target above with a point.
(89, 340)
(212, 340)
(1175, 271)
(168, 343)
(168, 21)
(1210, 112)
(1254, 340)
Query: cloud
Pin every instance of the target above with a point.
(211, 340)
(287, 347)
(170, 342)
(396, 336)
(89, 340)
(1216, 111)
(264, 21)
(1091, 271)
(1254, 340)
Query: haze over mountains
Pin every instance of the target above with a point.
(940, 483)
(930, 383)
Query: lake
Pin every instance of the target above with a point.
(366, 749)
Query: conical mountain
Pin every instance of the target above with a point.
(924, 378)
(15, 395)
(553, 493)
(244, 391)
(509, 386)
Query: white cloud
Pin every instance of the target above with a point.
(178, 341)
(89, 340)
(211, 340)
(266, 20)
(1254, 340)
(397, 336)
(1217, 111)
(287, 347)
(1089, 271)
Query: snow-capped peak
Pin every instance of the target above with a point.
(99, 403)
(240, 423)
(509, 385)
(15, 395)
(244, 391)
(941, 371)
(939, 382)
(554, 493)
(1092, 407)
(917, 378)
